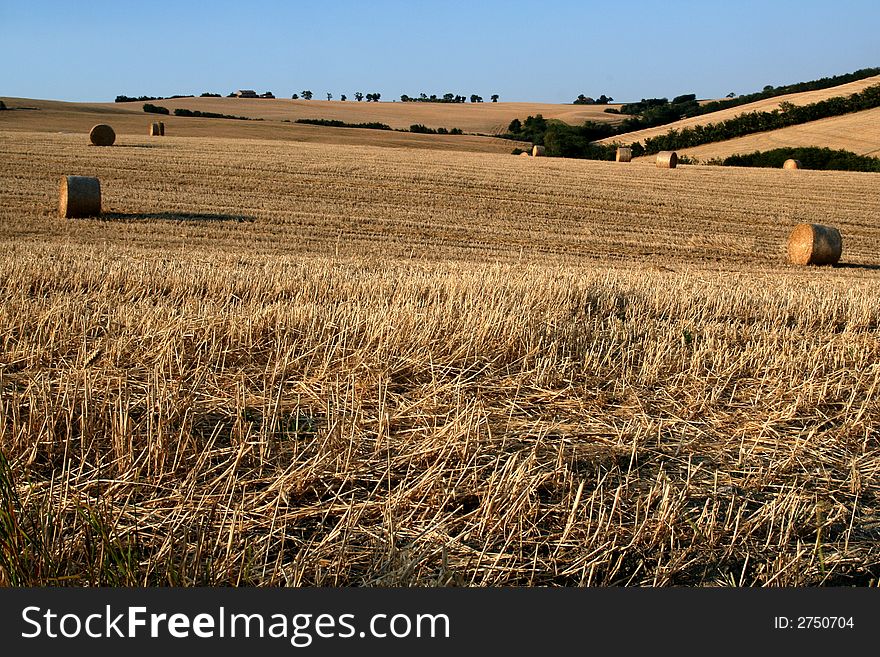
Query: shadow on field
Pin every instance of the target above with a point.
(853, 265)
(131, 217)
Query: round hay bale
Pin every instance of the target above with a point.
(161, 128)
(102, 135)
(524, 154)
(79, 196)
(538, 151)
(155, 130)
(624, 154)
(667, 159)
(814, 244)
(792, 164)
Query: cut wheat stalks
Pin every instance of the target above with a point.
(79, 196)
(102, 135)
(667, 160)
(814, 244)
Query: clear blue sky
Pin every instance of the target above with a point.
(524, 51)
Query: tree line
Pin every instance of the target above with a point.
(445, 98)
(563, 140)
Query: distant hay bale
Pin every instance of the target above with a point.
(667, 159)
(814, 244)
(524, 154)
(538, 151)
(792, 164)
(161, 128)
(624, 154)
(155, 130)
(102, 135)
(79, 196)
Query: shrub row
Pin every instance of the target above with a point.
(810, 157)
(341, 124)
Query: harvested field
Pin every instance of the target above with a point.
(76, 118)
(273, 363)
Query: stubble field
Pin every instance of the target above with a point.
(273, 363)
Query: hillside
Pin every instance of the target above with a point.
(766, 105)
(129, 119)
(858, 133)
(479, 118)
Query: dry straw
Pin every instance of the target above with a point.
(667, 159)
(79, 196)
(155, 130)
(624, 154)
(792, 164)
(102, 135)
(538, 151)
(524, 154)
(814, 244)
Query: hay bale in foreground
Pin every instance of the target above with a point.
(155, 130)
(624, 154)
(667, 159)
(814, 244)
(538, 151)
(79, 196)
(102, 135)
(792, 164)
(161, 129)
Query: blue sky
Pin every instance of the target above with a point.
(524, 51)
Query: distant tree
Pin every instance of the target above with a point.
(515, 127)
(307, 95)
(603, 100)
(343, 98)
(295, 96)
(448, 98)
(432, 98)
(460, 99)
(376, 97)
(476, 99)
(731, 95)
(584, 100)
(358, 96)
(423, 96)
(329, 96)
(369, 98)
(768, 87)
(495, 98)
(404, 98)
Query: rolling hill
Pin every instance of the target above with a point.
(858, 133)
(803, 98)
(479, 118)
(129, 119)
